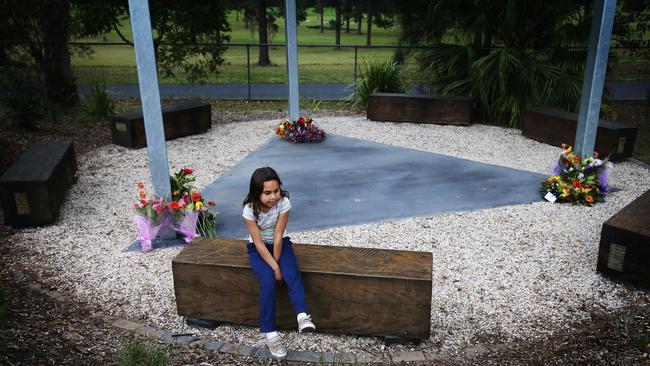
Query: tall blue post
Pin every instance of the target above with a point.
(292, 58)
(594, 80)
(150, 99)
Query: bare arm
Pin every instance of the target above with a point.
(259, 245)
(280, 225)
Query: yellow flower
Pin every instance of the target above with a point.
(565, 193)
(197, 206)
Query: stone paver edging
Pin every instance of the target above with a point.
(190, 340)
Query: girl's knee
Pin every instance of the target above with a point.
(267, 283)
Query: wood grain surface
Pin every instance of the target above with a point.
(348, 290)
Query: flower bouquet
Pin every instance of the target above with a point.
(300, 131)
(184, 193)
(185, 212)
(150, 218)
(577, 180)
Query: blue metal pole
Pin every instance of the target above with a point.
(594, 79)
(292, 58)
(150, 99)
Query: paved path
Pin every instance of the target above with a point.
(618, 90)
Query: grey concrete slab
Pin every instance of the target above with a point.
(346, 181)
(157, 243)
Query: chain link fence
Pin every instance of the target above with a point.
(115, 63)
(326, 65)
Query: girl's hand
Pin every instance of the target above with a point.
(278, 275)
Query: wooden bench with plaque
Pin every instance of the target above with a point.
(180, 119)
(348, 290)
(555, 127)
(625, 243)
(33, 188)
(441, 109)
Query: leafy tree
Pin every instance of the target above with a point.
(187, 35)
(267, 12)
(34, 44)
(379, 13)
(510, 55)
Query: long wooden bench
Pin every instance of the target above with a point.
(556, 127)
(625, 243)
(180, 119)
(33, 188)
(348, 290)
(440, 109)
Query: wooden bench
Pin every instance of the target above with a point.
(181, 119)
(625, 243)
(34, 186)
(449, 110)
(348, 290)
(556, 127)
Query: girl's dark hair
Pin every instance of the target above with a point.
(261, 175)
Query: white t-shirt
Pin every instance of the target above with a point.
(266, 221)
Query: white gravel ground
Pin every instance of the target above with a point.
(502, 274)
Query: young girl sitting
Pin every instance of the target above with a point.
(266, 210)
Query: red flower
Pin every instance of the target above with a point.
(140, 185)
(174, 205)
(196, 197)
(211, 203)
(577, 184)
(187, 171)
(301, 120)
(143, 196)
(564, 146)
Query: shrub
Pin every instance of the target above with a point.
(138, 352)
(21, 98)
(377, 77)
(98, 102)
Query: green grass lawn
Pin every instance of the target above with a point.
(116, 63)
(315, 65)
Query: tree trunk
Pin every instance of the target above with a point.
(337, 10)
(263, 59)
(369, 20)
(321, 11)
(58, 76)
(347, 24)
(358, 17)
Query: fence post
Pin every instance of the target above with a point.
(248, 69)
(356, 49)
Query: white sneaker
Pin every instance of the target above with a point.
(276, 347)
(305, 324)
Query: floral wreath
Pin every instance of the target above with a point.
(300, 131)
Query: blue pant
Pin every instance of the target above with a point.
(290, 276)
